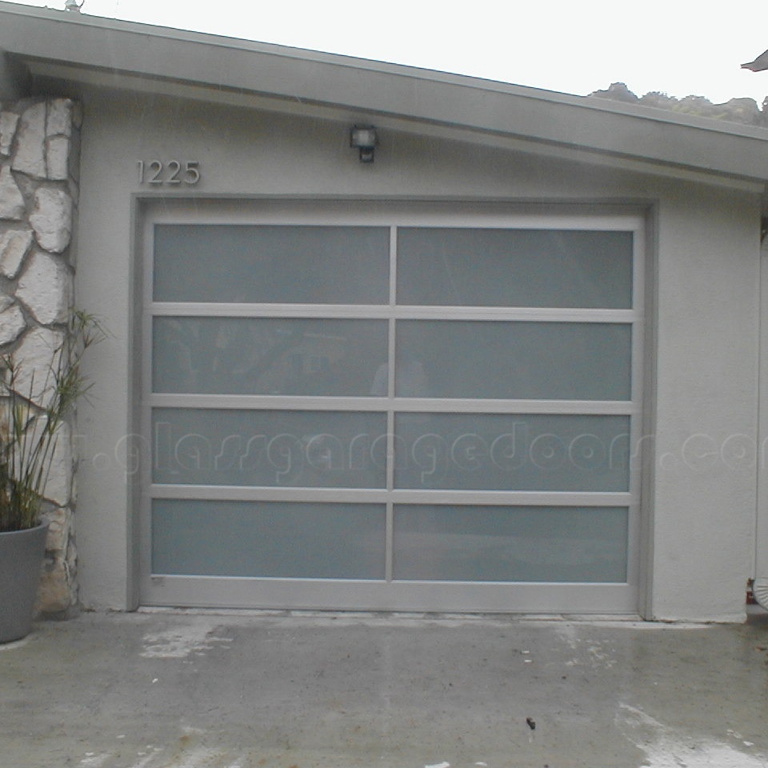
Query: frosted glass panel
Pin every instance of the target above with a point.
(270, 448)
(532, 544)
(514, 268)
(271, 264)
(266, 356)
(275, 540)
(562, 361)
(512, 452)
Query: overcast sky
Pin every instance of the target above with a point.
(680, 47)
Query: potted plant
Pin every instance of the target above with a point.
(33, 407)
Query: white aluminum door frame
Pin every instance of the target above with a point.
(434, 596)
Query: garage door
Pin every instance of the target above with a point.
(430, 408)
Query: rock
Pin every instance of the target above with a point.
(51, 219)
(12, 323)
(57, 157)
(14, 245)
(30, 147)
(59, 120)
(39, 143)
(11, 199)
(58, 520)
(45, 288)
(58, 484)
(55, 592)
(8, 123)
(39, 353)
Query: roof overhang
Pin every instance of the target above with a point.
(41, 44)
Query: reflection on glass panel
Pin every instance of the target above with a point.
(512, 452)
(271, 264)
(266, 356)
(533, 544)
(269, 540)
(269, 448)
(562, 361)
(514, 268)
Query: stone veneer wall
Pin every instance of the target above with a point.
(39, 152)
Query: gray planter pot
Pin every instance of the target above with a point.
(21, 558)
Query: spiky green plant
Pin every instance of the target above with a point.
(31, 415)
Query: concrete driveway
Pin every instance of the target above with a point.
(271, 690)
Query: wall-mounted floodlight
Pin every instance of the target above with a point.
(73, 5)
(365, 139)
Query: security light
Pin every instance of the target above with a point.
(364, 137)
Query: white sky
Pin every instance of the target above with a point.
(679, 47)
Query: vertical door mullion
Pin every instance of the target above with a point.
(636, 421)
(390, 513)
(147, 466)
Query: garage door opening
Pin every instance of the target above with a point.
(391, 408)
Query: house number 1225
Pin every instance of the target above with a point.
(169, 172)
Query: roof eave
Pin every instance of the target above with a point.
(46, 41)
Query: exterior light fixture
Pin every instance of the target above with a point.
(365, 139)
(73, 5)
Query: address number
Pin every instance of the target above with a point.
(170, 172)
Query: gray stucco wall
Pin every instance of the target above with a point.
(705, 401)
(702, 330)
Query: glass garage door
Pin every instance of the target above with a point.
(392, 409)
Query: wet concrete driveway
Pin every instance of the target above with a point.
(193, 690)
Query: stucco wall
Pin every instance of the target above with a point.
(706, 403)
(702, 326)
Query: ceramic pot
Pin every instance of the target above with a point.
(21, 558)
